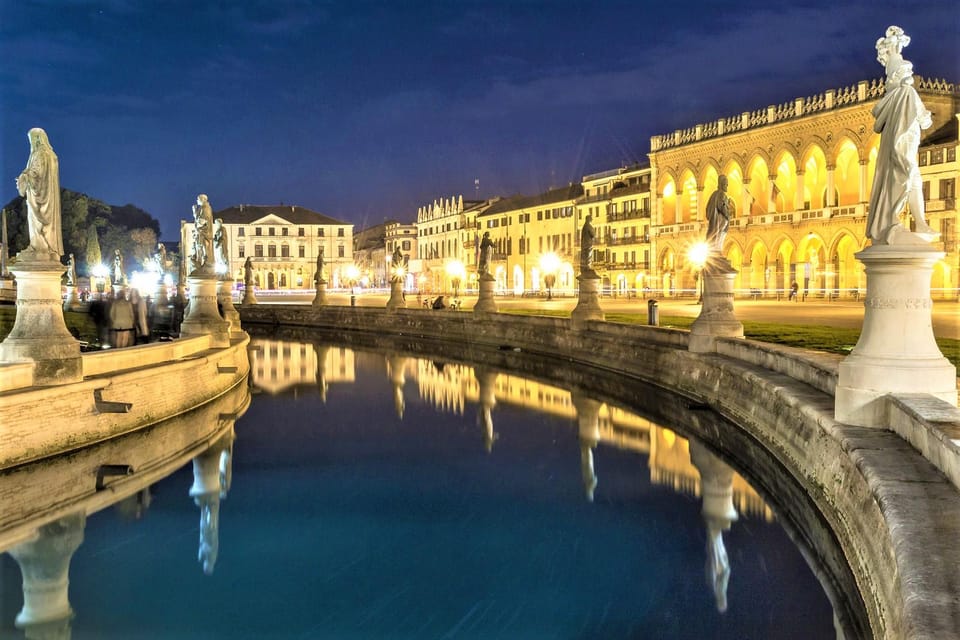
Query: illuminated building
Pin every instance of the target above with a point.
(282, 243)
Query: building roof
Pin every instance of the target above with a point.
(570, 192)
(944, 135)
(249, 213)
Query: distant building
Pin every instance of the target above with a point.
(403, 236)
(283, 242)
(447, 237)
(370, 255)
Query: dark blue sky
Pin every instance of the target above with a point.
(365, 111)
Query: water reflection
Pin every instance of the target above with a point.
(42, 538)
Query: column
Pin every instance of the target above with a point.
(798, 192)
(864, 196)
(831, 196)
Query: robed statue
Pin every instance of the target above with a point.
(117, 267)
(900, 115)
(71, 271)
(587, 237)
(39, 184)
(486, 250)
(219, 246)
(719, 208)
(202, 255)
(318, 276)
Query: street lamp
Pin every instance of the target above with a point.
(456, 271)
(100, 273)
(549, 264)
(352, 274)
(697, 255)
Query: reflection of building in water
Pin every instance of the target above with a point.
(670, 465)
(449, 387)
(276, 365)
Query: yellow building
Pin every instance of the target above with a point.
(446, 245)
(533, 236)
(282, 243)
(800, 175)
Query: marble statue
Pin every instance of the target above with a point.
(486, 250)
(248, 272)
(318, 276)
(71, 271)
(587, 237)
(219, 245)
(39, 184)
(202, 234)
(160, 257)
(899, 117)
(719, 208)
(117, 267)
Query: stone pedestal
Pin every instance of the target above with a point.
(485, 302)
(39, 333)
(249, 297)
(588, 302)
(228, 311)
(71, 302)
(717, 318)
(396, 295)
(202, 316)
(321, 298)
(45, 567)
(896, 352)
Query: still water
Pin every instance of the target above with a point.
(382, 496)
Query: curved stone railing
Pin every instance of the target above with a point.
(122, 390)
(893, 514)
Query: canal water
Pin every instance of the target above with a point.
(384, 496)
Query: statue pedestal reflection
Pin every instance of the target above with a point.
(588, 427)
(45, 566)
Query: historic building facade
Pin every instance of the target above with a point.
(283, 243)
(800, 175)
(446, 244)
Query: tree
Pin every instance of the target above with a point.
(94, 256)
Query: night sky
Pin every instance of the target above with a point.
(365, 111)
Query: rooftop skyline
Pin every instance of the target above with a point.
(365, 112)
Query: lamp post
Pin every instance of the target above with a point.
(549, 263)
(456, 271)
(697, 255)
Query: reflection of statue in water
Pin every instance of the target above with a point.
(718, 565)
(486, 249)
(202, 234)
(117, 267)
(209, 531)
(219, 246)
(71, 271)
(587, 236)
(900, 115)
(39, 184)
(719, 208)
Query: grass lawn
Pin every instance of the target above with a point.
(830, 339)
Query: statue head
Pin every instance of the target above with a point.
(38, 138)
(486, 234)
(202, 199)
(722, 182)
(893, 42)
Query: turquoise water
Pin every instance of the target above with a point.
(345, 520)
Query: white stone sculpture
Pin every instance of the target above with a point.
(202, 235)
(719, 208)
(40, 185)
(219, 246)
(900, 115)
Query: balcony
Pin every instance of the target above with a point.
(636, 214)
(612, 241)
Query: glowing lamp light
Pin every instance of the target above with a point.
(697, 254)
(100, 271)
(142, 281)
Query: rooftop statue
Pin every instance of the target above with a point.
(900, 115)
(39, 184)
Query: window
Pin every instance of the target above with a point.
(406, 245)
(301, 232)
(539, 215)
(340, 232)
(272, 231)
(258, 250)
(302, 251)
(259, 231)
(272, 251)
(240, 232)
(285, 251)
(948, 188)
(340, 251)
(926, 189)
(240, 251)
(284, 231)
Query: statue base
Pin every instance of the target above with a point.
(8, 289)
(896, 352)
(321, 297)
(202, 316)
(485, 302)
(249, 297)
(588, 302)
(396, 300)
(39, 332)
(717, 318)
(228, 311)
(72, 302)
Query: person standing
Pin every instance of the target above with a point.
(140, 323)
(121, 322)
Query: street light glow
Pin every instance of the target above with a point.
(697, 254)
